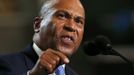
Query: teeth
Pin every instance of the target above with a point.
(67, 38)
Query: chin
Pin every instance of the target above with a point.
(65, 50)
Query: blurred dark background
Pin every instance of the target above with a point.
(111, 18)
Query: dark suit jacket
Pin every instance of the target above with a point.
(19, 63)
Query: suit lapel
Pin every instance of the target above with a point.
(69, 71)
(30, 57)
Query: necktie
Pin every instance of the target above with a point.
(60, 71)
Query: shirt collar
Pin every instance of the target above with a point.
(37, 49)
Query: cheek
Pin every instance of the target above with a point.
(47, 32)
(80, 36)
(80, 33)
(58, 27)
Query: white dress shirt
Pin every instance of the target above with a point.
(39, 53)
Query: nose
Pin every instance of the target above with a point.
(70, 26)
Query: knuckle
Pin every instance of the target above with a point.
(50, 66)
(54, 62)
(57, 58)
(43, 56)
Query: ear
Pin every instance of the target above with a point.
(36, 24)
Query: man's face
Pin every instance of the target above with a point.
(64, 28)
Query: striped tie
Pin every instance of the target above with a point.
(60, 71)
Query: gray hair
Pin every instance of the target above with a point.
(46, 5)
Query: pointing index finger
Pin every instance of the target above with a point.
(64, 59)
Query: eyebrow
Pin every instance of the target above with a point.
(65, 11)
(79, 17)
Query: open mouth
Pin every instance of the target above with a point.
(68, 40)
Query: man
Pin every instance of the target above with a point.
(58, 33)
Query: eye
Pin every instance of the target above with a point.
(79, 21)
(61, 15)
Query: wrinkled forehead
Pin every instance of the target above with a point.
(70, 5)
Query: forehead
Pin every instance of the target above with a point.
(72, 6)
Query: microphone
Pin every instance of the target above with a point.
(102, 45)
